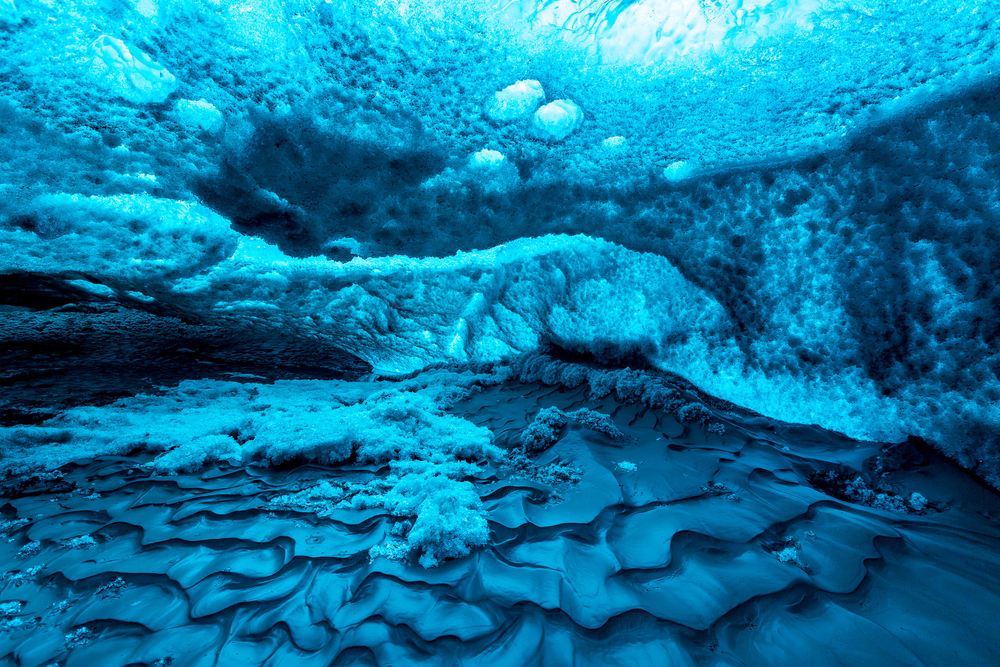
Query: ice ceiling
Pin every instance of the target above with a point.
(791, 204)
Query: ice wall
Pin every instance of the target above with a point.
(794, 207)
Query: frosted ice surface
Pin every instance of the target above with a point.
(128, 72)
(515, 101)
(557, 120)
(199, 113)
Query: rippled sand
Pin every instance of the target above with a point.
(714, 550)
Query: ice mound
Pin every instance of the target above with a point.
(515, 101)
(200, 113)
(129, 73)
(557, 120)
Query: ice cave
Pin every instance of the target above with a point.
(508, 333)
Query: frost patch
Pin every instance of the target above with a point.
(82, 542)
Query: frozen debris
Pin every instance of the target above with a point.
(82, 542)
(787, 551)
(917, 502)
(11, 608)
(129, 73)
(717, 428)
(112, 589)
(197, 453)
(852, 487)
(447, 515)
(199, 113)
(557, 120)
(8, 526)
(515, 101)
(788, 555)
(59, 607)
(393, 549)
(29, 549)
(519, 466)
(596, 421)
(679, 171)
(544, 430)
(18, 578)
(615, 144)
(627, 466)
(694, 412)
(79, 637)
(321, 499)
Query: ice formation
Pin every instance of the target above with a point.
(306, 305)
